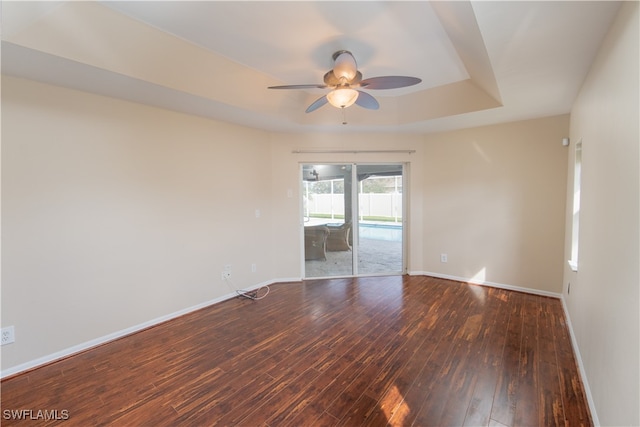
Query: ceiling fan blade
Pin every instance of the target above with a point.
(367, 101)
(317, 104)
(309, 86)
(389, 82)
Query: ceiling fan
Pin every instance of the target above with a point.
(344, 80)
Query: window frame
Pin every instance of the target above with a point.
(575, 213)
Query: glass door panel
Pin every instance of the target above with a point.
(380, 219)
(328, 209)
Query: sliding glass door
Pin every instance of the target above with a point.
(353, 219)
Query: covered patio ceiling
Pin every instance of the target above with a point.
(325, 172)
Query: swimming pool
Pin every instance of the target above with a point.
(377, 231)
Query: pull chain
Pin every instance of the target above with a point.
(344, 116)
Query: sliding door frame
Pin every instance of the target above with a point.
(355, 215)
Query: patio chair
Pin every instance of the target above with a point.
(315, 242)
(339, 236)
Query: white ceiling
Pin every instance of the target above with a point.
(480, 62)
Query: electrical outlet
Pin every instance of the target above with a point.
(226, 273)
(254, 268)
(444, 258)
(8, 335)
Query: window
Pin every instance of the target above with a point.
(577, 171)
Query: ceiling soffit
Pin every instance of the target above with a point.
(89, 35)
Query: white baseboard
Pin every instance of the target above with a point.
(583, 373)
(491, 284)
(124, 332)
(288, 280)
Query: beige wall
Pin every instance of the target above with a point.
(604, 298)
(494, 202)
(115, 214)
(492, 198)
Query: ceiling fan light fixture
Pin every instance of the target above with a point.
(342, 98)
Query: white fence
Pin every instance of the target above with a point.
(371, 204)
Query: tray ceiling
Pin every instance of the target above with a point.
(480, 62)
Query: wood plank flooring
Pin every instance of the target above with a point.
(376, 351)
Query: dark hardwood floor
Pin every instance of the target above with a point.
(397, 351)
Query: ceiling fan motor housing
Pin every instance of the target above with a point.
(345, 66)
